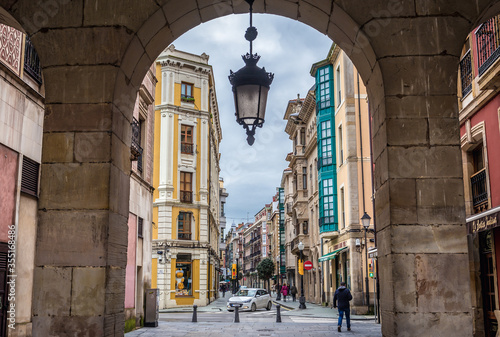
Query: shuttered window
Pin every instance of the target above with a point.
(29, 179)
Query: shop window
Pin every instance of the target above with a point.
(184, 226)
(183, 275)
(187, 139)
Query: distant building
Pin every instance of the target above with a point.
(138, 270)
(344, 176)
(186, 208)
(22, 113)
(479, 115)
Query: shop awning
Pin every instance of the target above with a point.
(332, 255)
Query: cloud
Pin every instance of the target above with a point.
(288, 48)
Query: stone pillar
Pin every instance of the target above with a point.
(81, 244)
(421, 235)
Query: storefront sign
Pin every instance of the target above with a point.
(486, 222)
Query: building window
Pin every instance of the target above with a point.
(327, 203)
(341, 146)
(187, 139)
(324, 88)
(304, 178)
(186, 187)
(478, 181)
(29, 178)
(187, 92)
(339, 90)
(342, 205)
(311, 176)
(466, 73)
(302, 137)
(184, 226)
(183, 275)
(140, 227)
(326, 144)
(305, 227)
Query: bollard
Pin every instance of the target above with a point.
(278, 313)
(195, 317)
(236, 314)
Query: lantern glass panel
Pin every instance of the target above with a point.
(247, 98)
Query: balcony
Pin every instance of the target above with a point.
(184, 236)
(466, 74)
(488, 53)
(327, 161)
(187, 148)
(32, 62)
(294, 244)
(186, 196)
(328, 228)
(479, 191)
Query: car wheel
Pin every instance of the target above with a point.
(269, 306)
(254, 307)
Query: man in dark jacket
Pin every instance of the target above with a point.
(342, 297)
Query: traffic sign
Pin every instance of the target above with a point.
(308, 265)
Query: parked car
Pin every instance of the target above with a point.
(250, 299)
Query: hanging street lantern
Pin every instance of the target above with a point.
(250, 88)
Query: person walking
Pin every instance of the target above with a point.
(284, 291)
(293, 292)
(342, 297)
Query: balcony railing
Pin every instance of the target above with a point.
(187, 148)
(32, 62)
(479, 191)
(187, 196)
(487, 39)
(466, 74)
(184, 236)
(135, 147)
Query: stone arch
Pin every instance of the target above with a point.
(168, 23)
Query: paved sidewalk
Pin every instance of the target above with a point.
(289, 308)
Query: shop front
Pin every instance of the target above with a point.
(484, 251)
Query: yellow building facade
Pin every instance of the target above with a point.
(186, 180)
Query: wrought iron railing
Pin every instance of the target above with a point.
(136, 148)
(187, 148)
(479, 191)
(186, 196)
(32, 61)
(487, 39)
(466, 73)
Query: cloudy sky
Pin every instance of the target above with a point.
(287, 48)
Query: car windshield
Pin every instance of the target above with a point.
(246, 292)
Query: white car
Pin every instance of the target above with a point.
(250, 299)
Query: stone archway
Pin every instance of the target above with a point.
(94, 55)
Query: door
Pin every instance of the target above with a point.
(488, 284)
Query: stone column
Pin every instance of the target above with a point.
(81, 244)
(421, 235)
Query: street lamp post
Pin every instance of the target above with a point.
(365, 220)
(302, 299)
(278, 292)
